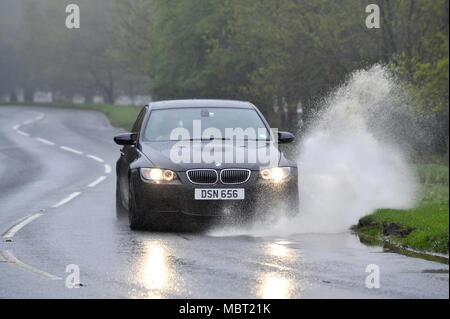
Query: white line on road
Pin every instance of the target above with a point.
(19, 225)
(27, 122)
(68, 149)
(97, 181)
(107, 169)
(66, 200)
(22, 133)
(10, 258)
(95, 158)
(43, 140)
(16, 127)
(40, 117)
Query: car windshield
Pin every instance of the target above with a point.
(205, 124)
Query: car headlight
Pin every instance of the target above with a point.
(276, 174)
(157, 175)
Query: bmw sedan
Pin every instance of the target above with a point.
(188, 163)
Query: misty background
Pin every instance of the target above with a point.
(284, 56)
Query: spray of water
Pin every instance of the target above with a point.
(346, 169)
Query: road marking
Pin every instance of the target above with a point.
(27, 122)
(107, 169)
(40, 117)
(16, 127)
(10, 258)
(43, 140)
(95, 158)
(19, 225)
(22, 133)
(97, 181)
(66, 200)
(68, 149)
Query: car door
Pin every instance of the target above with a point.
(129, 154)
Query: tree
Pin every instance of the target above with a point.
(424, 65)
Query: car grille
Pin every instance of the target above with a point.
(234, 176)
(202, 176)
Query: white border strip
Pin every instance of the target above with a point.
(22, 133)
(66, 200)
(19, 225)
(10, 258)
(97, 181)
(68, 149)
(107, 169)
(43, 140)
(95, 158)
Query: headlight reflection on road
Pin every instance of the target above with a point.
(155, 271)
(278, 250)
(275, 286)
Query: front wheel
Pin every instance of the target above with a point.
(135, 219)
(120, 210)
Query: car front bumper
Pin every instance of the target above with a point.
(177, 199)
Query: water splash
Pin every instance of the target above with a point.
(347, 169)
(348, 163)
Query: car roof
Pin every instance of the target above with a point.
(199, 103)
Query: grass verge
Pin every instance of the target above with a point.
(119, 115)
(425, 227)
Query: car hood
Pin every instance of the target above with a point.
(159, 154)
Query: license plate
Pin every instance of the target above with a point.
(219, 193)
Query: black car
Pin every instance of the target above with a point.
(192, 162)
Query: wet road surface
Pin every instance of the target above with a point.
(57, 208)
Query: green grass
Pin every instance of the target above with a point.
(432, 173)
(119, 116)
(425, 227)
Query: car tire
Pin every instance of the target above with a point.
(135, 219)
(120, 209)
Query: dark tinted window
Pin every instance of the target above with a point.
(138, 124)
(161, 123)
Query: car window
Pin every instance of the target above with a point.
(137, 125)
(161, 123)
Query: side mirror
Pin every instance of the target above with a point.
(285, 137)
(125, 139)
